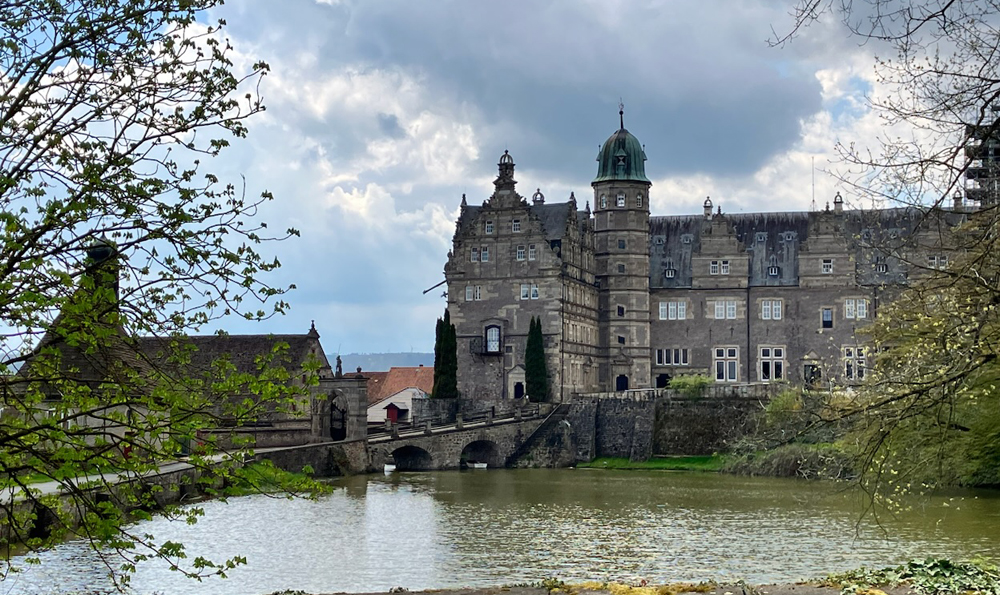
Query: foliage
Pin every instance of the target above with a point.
(713, 462)
(806, 461)
(536, 373)
(690, 385)
(115, 242)
(927, 577)
(445, 359)
(783, 408)
(929, 413)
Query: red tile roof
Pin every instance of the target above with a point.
(385, 384)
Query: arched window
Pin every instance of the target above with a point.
(493, 339)
(604, 201)
(638, 201)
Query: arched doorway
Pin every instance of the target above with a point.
(518, 390)
(621, 383)
(412, 458)
(338, 420)
(481, 451)
(662, 380)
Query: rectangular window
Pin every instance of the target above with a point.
(531, 252)
(485, 253)
(827, 318)
(663, 310)
(671, 310)
(534, 291)
(468, 293)
(772, 363)
(515, 226)
(478, 293)
(489, 227)
(621, 311)
(727, 364)
(493, 339)
(713, 267)
(855, 363)
(621, 340)
(661, 360)
(475, 255)
(720, 310)
(621, 268)
(770, 309)
(849, 308)
(827, 266)
(621, 244)
(724, 270)
(731, 309)
(862, 308)
(520, 252)
(525, 291)
(677, 356)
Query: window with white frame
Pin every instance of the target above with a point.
(489, 226)
(713, 267)
(534, 291)
(638, 201)
(727, 364)
(515, 226)
(880, 265)
(677, 356)
(484, 253)
(620, 199)
(520, 253)
(673, 310)
(474, 256)
(525, 291)
(469, 295)
(770, 309)
(724, 267)
(493, 339)
(827, 266)
(826, 318)
(937, 261)
(856, 308)
(531, 252)
(477, 293)
(725, 309)
(604, 201)
(772, 363)
(854, 362)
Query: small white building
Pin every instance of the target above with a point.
(391, 394)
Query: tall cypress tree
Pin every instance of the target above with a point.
(536, 375)
(446, 360)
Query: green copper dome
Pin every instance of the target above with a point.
(621, 158)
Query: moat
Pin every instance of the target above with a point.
(480, 528)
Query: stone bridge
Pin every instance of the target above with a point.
(453, 447)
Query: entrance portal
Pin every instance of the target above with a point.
(621, 383)
(518, 390)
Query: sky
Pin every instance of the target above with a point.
(380, 115)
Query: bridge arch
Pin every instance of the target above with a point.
(412, 458)
(481, 451)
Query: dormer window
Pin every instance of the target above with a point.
(772, 267)
(670, 273)
(620, 200)
(515, 226)
(489, 226)
(880, 265)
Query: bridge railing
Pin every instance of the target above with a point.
(382, 429)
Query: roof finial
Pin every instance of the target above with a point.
(621, 113)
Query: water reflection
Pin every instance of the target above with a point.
(441, 529)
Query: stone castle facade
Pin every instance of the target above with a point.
(628, 300)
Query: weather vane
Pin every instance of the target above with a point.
(621, 112)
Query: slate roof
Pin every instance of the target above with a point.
(553, 217)
(397, 380)
(242, 351)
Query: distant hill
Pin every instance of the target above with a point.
(381, 362)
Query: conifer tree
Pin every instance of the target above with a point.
(446, 360)
(536, 375)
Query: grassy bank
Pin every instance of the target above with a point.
(695, 463)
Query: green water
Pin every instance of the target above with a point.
(476, 528)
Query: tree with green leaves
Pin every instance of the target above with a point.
(929, 411)
(116, 242)
(536, 373)
(445, 359)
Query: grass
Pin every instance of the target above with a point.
(713, 462)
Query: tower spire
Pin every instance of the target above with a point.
(621, 113)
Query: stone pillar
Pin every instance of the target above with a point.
(458, 421)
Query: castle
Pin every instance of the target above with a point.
(628, 300)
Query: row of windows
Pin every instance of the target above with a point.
(770, 309)
(474, 293)
(770, 363)
(482, 254)
(721, 267)
(620, 200)
(515, 226)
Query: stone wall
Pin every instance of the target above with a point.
(686, 426)
(434, 410)
(582, 419)
(623, 428)
(326, 460)
(263, 437)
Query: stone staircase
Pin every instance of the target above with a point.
(550, 426)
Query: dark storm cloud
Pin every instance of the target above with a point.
(701, 87)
